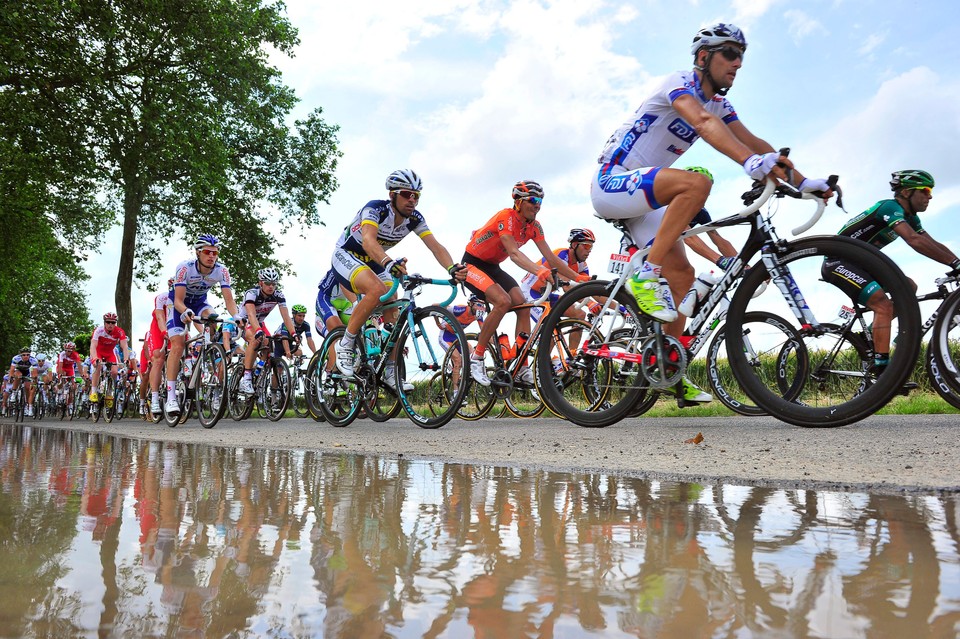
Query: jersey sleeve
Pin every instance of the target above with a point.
(225, 280)
(418, 225)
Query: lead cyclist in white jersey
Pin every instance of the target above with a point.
(634, 177)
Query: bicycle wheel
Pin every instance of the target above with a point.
(610, 380)
(311, 386)
(943, 352)
(239, 405)
(211, 391)
(119, 402)
(18, 407)
(831, 399)
(298, 397)
(770, 341)
(385, 404)
(277, 390)
(427, 405)
(579, 385)
(340, 397)
(479, 400)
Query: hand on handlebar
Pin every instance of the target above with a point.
(759, 166)
(186, 316)
(396, 268)
(583, 277)
(458, 272)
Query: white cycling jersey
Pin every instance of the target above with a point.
(198, 284)
(656, 135)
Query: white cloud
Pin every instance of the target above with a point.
(873, 41)
(802, 25)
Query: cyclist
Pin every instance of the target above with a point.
(501, 237)
(258, 302)
(634, 179)
(154, 348)
(580, 244)
(474, 310)
(102, 349)
(360, 258)
(42, 373)
(192, 279)
(880, 225)
(70, 364)
(302, 328)
(20, 367)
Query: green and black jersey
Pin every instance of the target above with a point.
(875, 225)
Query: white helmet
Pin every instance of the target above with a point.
(716, 35)
(41, 357)
(269, 275)
(404, 179)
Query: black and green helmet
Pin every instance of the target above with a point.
(911, 179)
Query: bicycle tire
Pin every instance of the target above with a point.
(109, 392)
(298, 397)
(774, 361)
(428, 406)
(239, 405)
(479, 400)
(383, 406)
(943, 351)
(341, 397)
(566, 339)
(211, 391)
(816, 409)
(609, 392)
(311, 387)
(173, 420)
(276, 390)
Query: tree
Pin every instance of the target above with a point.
(183, 120)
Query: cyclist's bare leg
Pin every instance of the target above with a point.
(173, 357)
(371, 288)
(882, 309)
(500, 302)
(684, 193)
(679, 273)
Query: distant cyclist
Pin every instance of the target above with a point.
(498, 239)
(880, 225)
(103, 345)
(475, 310)
(302, 330)
(258, 302)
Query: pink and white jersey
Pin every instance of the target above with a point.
(197, 284)
(656, 135)
(160, 303)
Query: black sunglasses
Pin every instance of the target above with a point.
(729, 53)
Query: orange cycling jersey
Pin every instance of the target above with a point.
(485, 242)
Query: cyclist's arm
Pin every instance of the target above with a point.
(725, 246)
(924, 244)
(160, 315)
(253, 322)
(711, 128)
(179, 295)
(291, 329)
(371, 246)
(439, 251)
(229, 301)
(518, 258)
(554, 260)
(701, 248)
(94, 347)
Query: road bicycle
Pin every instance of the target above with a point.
(105, 406)
(522, 399)
(202, 382)
(298, 397)
(271, 384)
(642, 358)
(413, 345)
(846, 361)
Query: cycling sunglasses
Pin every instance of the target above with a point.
(729, 53)
(535, 200)
(409, 195)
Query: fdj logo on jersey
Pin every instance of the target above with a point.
(683, 131)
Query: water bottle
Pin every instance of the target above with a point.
(506, 351)
(696, 294)
(372, 335)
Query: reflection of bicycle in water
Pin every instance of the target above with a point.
(796, 294)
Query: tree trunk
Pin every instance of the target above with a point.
(132, 205)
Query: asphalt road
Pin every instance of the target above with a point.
(890, 453)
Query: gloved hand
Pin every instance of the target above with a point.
(810, 185)
(259, 335)
(725, 262)
(186, 316)
(396, 268)
(583, 277)
(543, 274)
(758, 166)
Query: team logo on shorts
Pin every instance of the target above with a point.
(633, 183)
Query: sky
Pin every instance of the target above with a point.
(477, 94)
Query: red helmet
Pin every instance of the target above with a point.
(581, 235)
(109, 316)
(69, 346)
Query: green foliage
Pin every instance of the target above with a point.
(170, 112)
